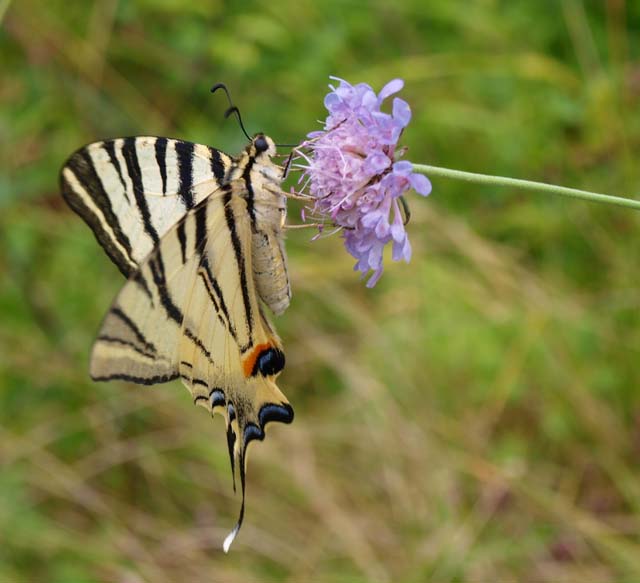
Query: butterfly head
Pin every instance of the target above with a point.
(261, 147)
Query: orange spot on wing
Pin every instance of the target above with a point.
(250, 361)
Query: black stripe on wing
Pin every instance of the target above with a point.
(246, 176)
(117, 246)
(182, 239)
(184, 151)
(156, 266)
(132, 345)
(239, 253)
(160, 148)
(217, 297)
(139, 336)
(199, 344)
(219, 167)
(133, 168)
(110, 148)
(136, 379)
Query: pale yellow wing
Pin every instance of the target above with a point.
(130, 191)
(191, 310)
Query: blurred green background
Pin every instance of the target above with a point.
(475, 417)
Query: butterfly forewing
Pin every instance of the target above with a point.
(131, 190)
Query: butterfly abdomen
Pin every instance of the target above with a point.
(268, 208)
(270, 270)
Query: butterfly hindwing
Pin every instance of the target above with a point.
(139, 339)
(243, 390)
(191, 310)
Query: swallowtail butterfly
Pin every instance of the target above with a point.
(199, 236)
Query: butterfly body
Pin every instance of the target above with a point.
(199, 236)
(267, 206)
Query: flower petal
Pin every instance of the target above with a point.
(371, 220)
(390, 88)
(403, 168)
(332, 101)
(374, 278)
(369, 100)
(401, 112)
(382, 229)
(420, 183)
(376, 163)
(402, 250)
(398, 232)
(375, 256)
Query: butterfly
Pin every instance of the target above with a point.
(199, 236)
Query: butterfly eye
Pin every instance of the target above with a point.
(261, 144)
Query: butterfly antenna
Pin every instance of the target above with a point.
(232, 108)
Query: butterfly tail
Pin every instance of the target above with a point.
(246, 422)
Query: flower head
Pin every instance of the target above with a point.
(353, 174)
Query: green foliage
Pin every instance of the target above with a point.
(476, 417)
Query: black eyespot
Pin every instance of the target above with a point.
(274, 412)
(269, 362)
(261, 144)
(251, 432)
(217, 398)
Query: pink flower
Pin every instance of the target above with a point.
(354, 176)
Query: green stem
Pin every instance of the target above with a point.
(526, 185)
